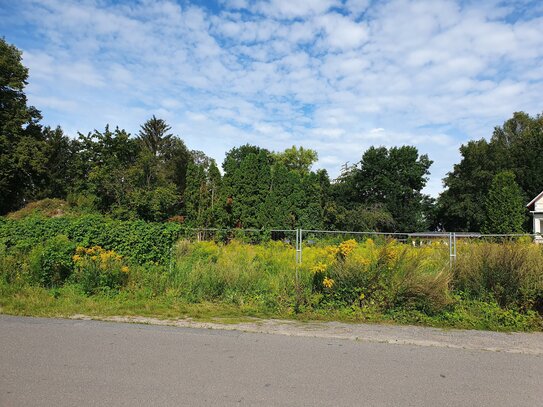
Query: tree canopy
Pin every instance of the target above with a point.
(154, 176)
(516, 146)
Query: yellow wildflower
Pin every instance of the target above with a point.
(318, 268)
(76, 258)
(125, 269)
(328, 282)
(333, 250)
(347, 247)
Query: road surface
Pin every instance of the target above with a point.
(53, 362)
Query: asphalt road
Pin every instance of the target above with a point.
(51, 362)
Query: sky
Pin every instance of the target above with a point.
(337, 76)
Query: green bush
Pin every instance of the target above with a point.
(51, 263)
(143, 242)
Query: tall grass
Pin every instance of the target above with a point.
(511, 273)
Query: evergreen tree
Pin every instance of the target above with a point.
(504, 205)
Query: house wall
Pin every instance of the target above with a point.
(539, 205)
(538, 227)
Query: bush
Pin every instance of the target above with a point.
(51, 263)
(99, 270)
(13, 266)
(143, 242)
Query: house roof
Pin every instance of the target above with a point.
(533, 201)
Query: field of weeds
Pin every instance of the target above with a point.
(496, 286)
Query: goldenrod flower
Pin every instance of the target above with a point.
(125, 269)
(328, 282)
(319, 268)
(347, 247)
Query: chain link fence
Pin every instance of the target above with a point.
(446, 242)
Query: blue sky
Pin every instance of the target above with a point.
(334, 75)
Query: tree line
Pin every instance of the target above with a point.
(153, 176)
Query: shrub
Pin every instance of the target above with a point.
(97, 269)
(143, 242)
(51, 263)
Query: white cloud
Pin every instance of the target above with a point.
(330, 75)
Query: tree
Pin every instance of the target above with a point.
(391, 179)
(154, 136)
(297, 159)
(201, 197)
(516, 146)
(21, 155)
(504, 205)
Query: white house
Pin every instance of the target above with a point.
(536, 209)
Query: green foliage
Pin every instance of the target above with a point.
(297, 159)
(51, 262)
(516, 146)
(383, 277)
(391, 179)
(504, 205)
(367, 281)
(154, 136)
(140, 241)
(202, 192)
(22, 152)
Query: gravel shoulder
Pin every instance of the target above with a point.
(521, 343)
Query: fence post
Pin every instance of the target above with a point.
(450, 250)
(301, 244)
(454, 243)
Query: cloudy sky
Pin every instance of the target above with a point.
(334, 75)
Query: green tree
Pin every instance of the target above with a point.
(297, 159)
(246, 184)
(516, 146)
(504, 205)
(154, 136)
(164, 154)
(202, 193)
(21, 155)
(104, 167)
(389, 179)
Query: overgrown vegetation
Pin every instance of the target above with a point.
(496, 286)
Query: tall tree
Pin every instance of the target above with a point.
(154, 136)
(202, 193)
(21, 155)
(297, 159)
(516, 146)
(391, 179)
(504, 205)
